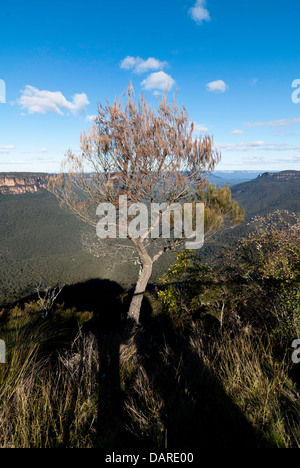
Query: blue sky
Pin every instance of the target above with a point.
(233, 63)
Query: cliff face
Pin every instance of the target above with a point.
(284, 175)
(11, 183)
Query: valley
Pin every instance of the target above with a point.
(41, 243)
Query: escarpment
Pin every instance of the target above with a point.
(17, 183)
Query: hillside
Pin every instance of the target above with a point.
(269, 192)
(41, 243)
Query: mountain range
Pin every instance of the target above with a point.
(28, 182)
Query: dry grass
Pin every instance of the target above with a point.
(56, 399)
(48, 402)
(258, 384)
(142, 405)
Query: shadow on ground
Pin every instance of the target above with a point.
(195, 412)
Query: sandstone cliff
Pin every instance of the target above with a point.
(283, 175)
(16, 183)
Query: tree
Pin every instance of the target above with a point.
(257, 284)
(132, 155)
(270, 257)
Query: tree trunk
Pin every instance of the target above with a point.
(140, 289)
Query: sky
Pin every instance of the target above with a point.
(234, 63)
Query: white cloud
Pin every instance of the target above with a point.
(199, 13)
(274, 123)
(237, 132)
(30, 161)
(255, 146)
(6, 149)
(279, 131)
(218, 86)
(139, 65)
(200, 128)
(150, 64)
(14, 163)
(158, 81)
(36, 101)
(264, 160)
(91, 118)
(129, 62)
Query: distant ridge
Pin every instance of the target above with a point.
(283, 175)
(220, 178)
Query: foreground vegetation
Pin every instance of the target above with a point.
(210, 366)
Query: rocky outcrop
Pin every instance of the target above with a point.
(17, 183)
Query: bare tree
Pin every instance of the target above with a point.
(149, 156)
(47, 298)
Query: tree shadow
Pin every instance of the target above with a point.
(102, 297)
(197, 412)
(107, 300)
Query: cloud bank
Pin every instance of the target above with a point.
(257, 145)
(6, 149)
(274, 123)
